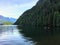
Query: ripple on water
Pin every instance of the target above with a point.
(9, 35)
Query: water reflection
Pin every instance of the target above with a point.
(9, 35)
(41, 36)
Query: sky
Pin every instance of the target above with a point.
(15, 8)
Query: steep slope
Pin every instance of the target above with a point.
(46, 14)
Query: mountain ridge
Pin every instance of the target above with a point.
(6, 19)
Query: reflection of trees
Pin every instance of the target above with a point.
(40, 36)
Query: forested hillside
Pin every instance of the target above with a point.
(44, 13)
(43, 17)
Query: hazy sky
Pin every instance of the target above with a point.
(14, 8)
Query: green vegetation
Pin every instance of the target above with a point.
(45, 15)
(45, 12)
(42, 20)
(7, 23)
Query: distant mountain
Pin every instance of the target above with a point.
(6, 19)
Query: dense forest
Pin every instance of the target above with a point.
(43, 17)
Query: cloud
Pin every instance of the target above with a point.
(14, 8)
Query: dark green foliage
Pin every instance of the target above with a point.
(43, 17)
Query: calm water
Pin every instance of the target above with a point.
(10, 35)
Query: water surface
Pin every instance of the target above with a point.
(10, 35)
